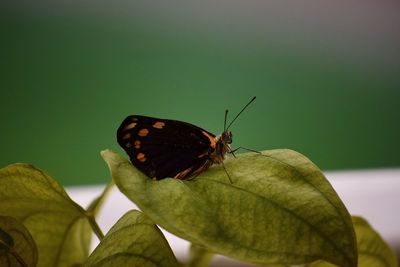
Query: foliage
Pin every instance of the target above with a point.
(279, 210)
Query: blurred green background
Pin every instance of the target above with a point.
(327, 82)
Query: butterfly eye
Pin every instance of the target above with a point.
(227, 137)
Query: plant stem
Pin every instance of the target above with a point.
(94, 208)
(199, 256)
(95, 227)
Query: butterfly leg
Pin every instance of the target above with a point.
(204, 166)
(244, 148)
(229, 177)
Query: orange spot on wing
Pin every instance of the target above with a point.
(137, 144)
(143, 132)
(159, 125)
(126, 136)
(130, 126)
(141, 157)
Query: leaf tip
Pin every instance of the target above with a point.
(105, 152)
(109, 156)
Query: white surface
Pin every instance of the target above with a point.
(372, 194)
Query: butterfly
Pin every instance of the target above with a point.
(162, 148)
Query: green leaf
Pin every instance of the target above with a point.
(98, 202)
(57, 224)
(133, 241)
(280, 208)
(373, 251)
(199, 257)
(17, 248)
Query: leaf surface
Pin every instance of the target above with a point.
(17, 248)
(373, 251)
(133, 241)
(280, 208)
(57, 224)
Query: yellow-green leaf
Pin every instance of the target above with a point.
(280, 208)
(17, 248)
(133, 241)
(373, 251)
(57, 224)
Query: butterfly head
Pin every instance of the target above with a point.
(226, 137)
(222, 146)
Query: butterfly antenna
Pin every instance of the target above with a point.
(239, 112)
(226, 116)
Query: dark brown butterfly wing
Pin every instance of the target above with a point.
(165, 148)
